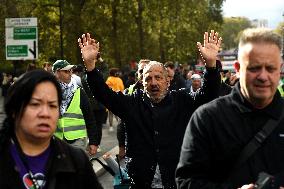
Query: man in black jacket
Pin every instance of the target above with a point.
(176, 79)
(98, 110)
(155, 118)
(121, 135)
(219, 131)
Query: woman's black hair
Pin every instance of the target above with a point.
(19, 95)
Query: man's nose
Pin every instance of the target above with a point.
(154, 81)
(263, 74)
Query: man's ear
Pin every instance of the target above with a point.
(168, 81)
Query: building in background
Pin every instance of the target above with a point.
(259, 23)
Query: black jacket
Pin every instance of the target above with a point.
(178, 82)
(215, 136)
(67, 167)
(224, 89)
(95, 105)
(154, 132)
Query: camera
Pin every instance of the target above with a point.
(265, 181)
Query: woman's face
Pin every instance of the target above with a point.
(39, 118)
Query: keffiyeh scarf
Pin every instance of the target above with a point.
(68, 90)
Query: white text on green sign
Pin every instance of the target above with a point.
(17, 50)
(24, 33)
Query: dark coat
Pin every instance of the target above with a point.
(95, 105)
(215, 136)
(224, 89)
(154, 132)
(68, 167)
(178, 82)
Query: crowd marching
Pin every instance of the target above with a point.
(178, 127)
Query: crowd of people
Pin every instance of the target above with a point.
(177, 127)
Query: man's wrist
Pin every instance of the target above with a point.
(90, 65)
(210, 63)
(210, 68)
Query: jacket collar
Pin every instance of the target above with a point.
(164, 101)
(274, 109)
(61, 161)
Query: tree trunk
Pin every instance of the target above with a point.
(114, 33)
(12, 12)
(72, 17)
(161, 38)
(140, 28)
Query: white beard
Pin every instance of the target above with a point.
(158, 99)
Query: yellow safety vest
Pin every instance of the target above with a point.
(72, 124)
(131, 89)
(280, 89)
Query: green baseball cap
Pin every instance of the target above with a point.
(61, 65)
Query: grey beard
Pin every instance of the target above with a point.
(157, 99)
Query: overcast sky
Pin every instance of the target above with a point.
(272, 10)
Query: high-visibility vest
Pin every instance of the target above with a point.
(72, 124)
(131, 89)
(280, 89)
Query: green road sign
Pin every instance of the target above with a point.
(17, 50)
(24, 33)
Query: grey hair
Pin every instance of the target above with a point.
(155, 63)
(260, 35)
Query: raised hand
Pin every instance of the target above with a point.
(210, 48)
(89, 49)
(247, 186)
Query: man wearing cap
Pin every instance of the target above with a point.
(76, 121)
(196, 83)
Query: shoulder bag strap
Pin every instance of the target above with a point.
(257, 140)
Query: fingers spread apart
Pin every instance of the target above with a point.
(213, 38)
(86, 40)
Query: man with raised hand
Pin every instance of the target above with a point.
(156, 119)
